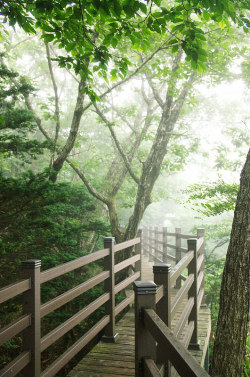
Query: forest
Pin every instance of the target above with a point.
(116, 115)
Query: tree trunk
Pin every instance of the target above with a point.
(230, 340)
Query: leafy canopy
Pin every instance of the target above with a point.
(90, 30)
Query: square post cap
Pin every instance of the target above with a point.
(145, 287)
(109, 239)
(162, 268)
(31, 263)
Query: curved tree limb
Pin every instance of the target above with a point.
(117, 143)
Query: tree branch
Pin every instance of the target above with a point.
(118, 145)
(160, 48)
(89, 186)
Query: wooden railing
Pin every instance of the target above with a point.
(29, 360)
(157, 323)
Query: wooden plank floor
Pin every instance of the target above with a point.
(117, 360)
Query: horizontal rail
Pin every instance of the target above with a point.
(126, 244)
(150, 368)
(126, 282)
(158, 250)
(57, 302)
(60, 330)
(54, 272)
(188, 334)
(16, 365)
(120, 266)
(124, 304)
(186, 236)
(184, 317)
(184, 249)
(171, 246)
(180, 266)
(170, 257)
(183, 362)
(59, 363)
(14, 328)
(13, 290)
(171, 234)
(159, 293)
(156, 259)
(181, 294)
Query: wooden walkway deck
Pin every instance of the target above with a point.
(117, 360)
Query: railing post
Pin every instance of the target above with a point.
(164, 245)
(151, 258)
(31, 305)
(145, 345)
(109, 284)
(156, 230)
(178, 253)
(138, 250)
(201, 233)
(163, 308)
(192, 269)
(146, 235)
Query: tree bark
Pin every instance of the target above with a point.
(231, 333)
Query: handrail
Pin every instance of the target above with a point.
(126, 244)
(55, 272)
(62, 299)
(14, 328)
(183, 362)
(181, 294)
(62, 360)
(184, 317)
(12, 290)
(120, 266)
(30, 322)
(179, 267)
(60, 330)
(16, 365)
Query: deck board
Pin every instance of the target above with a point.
(117, 360)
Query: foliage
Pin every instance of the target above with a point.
(213, 274)
(214, 197)
(16, 122)
(91, 30)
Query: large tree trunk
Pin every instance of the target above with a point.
(231, 333)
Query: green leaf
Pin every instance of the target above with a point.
(48, 37)
(143, 8)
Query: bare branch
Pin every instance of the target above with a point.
(89, 186)
(117, 143)
(155, 91)
(160, 48)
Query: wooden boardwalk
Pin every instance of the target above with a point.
(117, 360)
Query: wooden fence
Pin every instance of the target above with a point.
(154, 311)
(29, 360)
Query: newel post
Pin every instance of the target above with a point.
(31, 305)
(178, 253)
(150, 235)
(109, 285)
(192, 269)
(165, 244)
(145, 345)
(162, 273)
